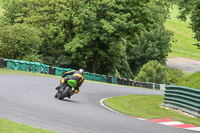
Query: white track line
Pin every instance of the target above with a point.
(194, 128)
(171, 123)
(163, 123)
(101, 102)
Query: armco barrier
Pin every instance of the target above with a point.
(86, 75)
(3, 63)
(95, 77)
(52, 70)
(114, 80)
(42, 68)
(27, 66)
(59, 71)
(108, 79)
(119, 81)
(183, 98)
(144, 84)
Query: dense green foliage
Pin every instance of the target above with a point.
(153, 45)
(192, 8)
(152, 72)
(192, 81)
(174, 75)
(106, 37)
(18, 41)
(1, 9)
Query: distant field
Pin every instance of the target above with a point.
(184, 36)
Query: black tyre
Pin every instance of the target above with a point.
(65, 93)
(56, 94)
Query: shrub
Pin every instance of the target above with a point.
(174, 75)
(153, 72)
(33, 58)
(18, 41)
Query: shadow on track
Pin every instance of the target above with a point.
(66, 100)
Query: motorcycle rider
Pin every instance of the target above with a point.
(76, 75)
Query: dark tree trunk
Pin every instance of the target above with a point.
(95, 61)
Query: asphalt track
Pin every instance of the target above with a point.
(30, 100)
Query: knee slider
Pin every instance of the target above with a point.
(76, 91)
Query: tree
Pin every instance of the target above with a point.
(18, 41)
(103, 29)
(95, 35)
(153, 45)
(152, 72)
(54, 19)
(192, 8)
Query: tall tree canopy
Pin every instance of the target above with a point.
(101, 36)
(153, 45)
(104, 29)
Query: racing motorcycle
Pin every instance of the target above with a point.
(67, 90)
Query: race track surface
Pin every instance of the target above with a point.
(30, 100)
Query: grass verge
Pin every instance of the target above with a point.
(183, 35)
(146, 106)
(18, 72)
(7, 126)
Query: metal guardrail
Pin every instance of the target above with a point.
(183, 98)
(3, 63)
(42, 68)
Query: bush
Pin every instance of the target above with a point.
(18, 41)
(33, 58)
(153, 72)
(174, 75)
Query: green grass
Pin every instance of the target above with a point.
(184, 37)
(18, 72)
(146, 106)
(7, 126)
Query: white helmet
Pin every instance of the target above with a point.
(81, 71)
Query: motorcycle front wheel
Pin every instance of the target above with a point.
(65, 93)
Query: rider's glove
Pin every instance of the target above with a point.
(63, 75)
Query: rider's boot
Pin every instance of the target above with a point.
(72, 93)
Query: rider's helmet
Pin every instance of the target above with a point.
(81, 71)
